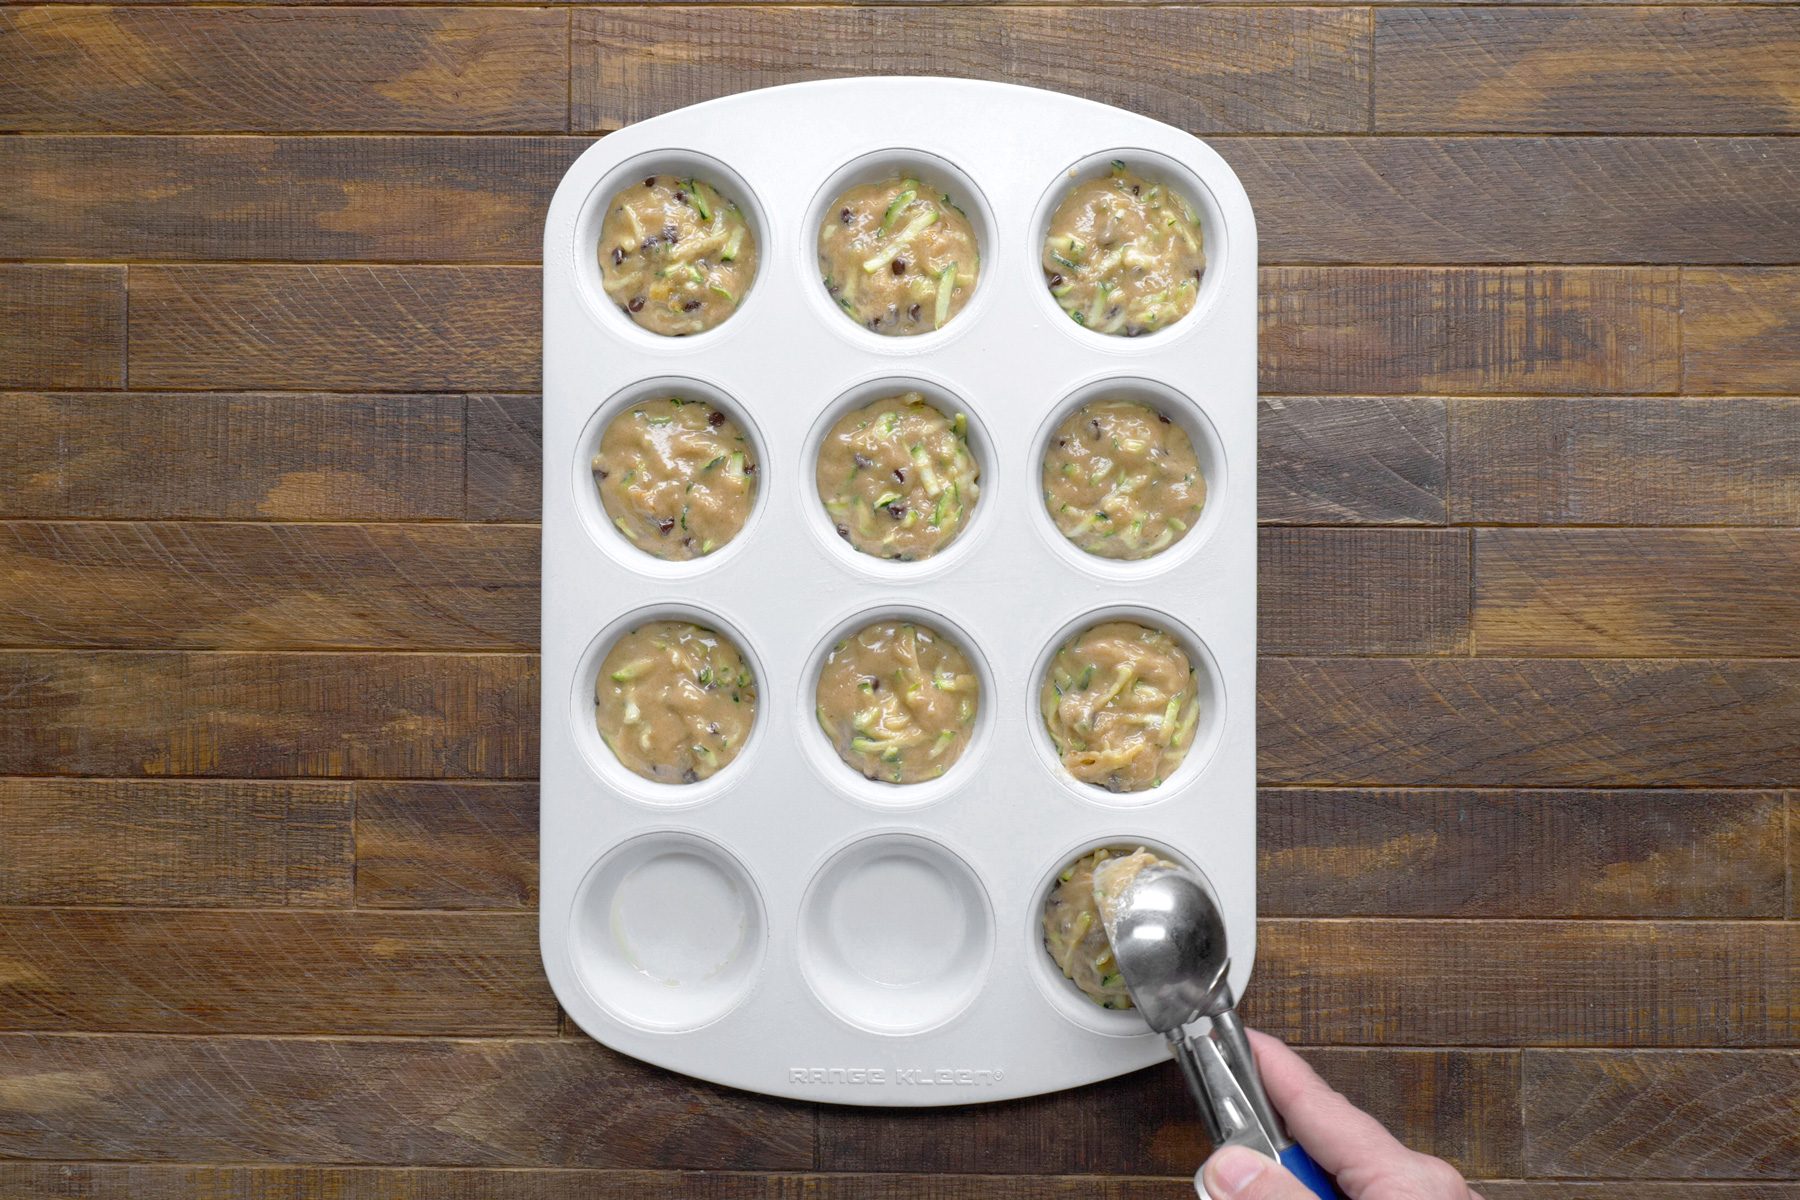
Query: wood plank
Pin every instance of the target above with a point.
(1528, 723)
(1793, 856)
(1362, 591)
(1640, 592)
(485, 1102)
(1636, 1189)
(1459, 1104)
(1205, 69)
(263, 585)
(170, 843)
(1521, 199)
(144, 971)
(505, 458)
(1636, 461)
(1740, 331)
(436, 845)
(269, 715)
(1697, 1114)
(1537, 983)
(1712, 69)
(61, 326)
(1351, 460)
(335, 327)
(1426, 329)
(1357, 852)
(437, 199)
(289, 70)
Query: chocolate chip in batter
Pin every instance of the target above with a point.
(1056, 280)
(896, 511)
(844, 216)
(666, 525)
(715, 418)
(649, 181)
(899, 266)
(900, 474)
(618, 255)
(690, 306)
(1163, 417)
(637, 304)
(913, 313)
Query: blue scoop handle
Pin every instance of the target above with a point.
(1301, 1164)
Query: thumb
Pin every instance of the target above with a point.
(1239, 1173)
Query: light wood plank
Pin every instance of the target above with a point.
(1740, 330)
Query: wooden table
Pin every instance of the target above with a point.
(1530, 576)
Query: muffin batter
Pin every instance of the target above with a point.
(1074, 936)
(897, 477)
(676, 476)
(898, 256)
(675, 701)
(1121, 480)
(1120, 702)
(1123, 254)
(898, 701)
(676, 255)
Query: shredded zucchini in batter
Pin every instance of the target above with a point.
(1123, 254)
(898, 256)
(675, 701)
(1074, 935)
(676, 256)
(677, 477)
(1121, 701)
(897, 477)
(898, 701)
(1121, 480)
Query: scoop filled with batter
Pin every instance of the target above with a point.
(897, 477)
(898, 701)
(676, 255)
(1074, 935)
(677, 477)
(675, 701)
(1123, 254)
(1121, 480)
(898, 255)
(1120, 701)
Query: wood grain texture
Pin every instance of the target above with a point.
(144, 971)
(1467, 853)
(482, 1102)
(1639, 593)
(61, 326)
(298, 69)
(1528, 722)
(1793, 857)
(1740, 330)
(505, 458)
(250, 715)
(1203, 69)
(1362, 591)
(262, 585)
(1351, 460)
(1637, 461)
(446, 845)
(1423, 329)
(1526, 983)
(436, 199)
(335, 327)
(1702, 1114)
(175, 843)
(1634, 1189)
(237, 457)
(1650, 70)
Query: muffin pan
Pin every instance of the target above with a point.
(788, 926)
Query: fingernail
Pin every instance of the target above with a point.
(1232, 1170)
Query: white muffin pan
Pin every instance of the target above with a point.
(788, 926)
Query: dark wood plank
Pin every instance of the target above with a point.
(173, 843)
(436, 845)
(1635, 1189)
(1793, 856)
(1740, 330)
(1362, 591)
(61, 326)
(1692, 1114)
(1716, 69)
(239, 457)
(436, 199)
(1357, 852)
(1528, 723)
(1205, 69)
(335, 327)
(1354, 460)
(269, 715)
(1522, 199)
(505, 458)
(1638, 461)
(485, 1102)
(264, 585)
(1502, 329)
(299, 70)
(91, 970)
(1637, 592)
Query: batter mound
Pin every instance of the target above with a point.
(1121, 701)
(898, 701)
(1121, 480)
(676, 476)
(897, 477)
(898, 256)
(1074, 935)
(675, 701)
(1123, 254)
(676, 255)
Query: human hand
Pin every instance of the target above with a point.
(1368, 1162)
